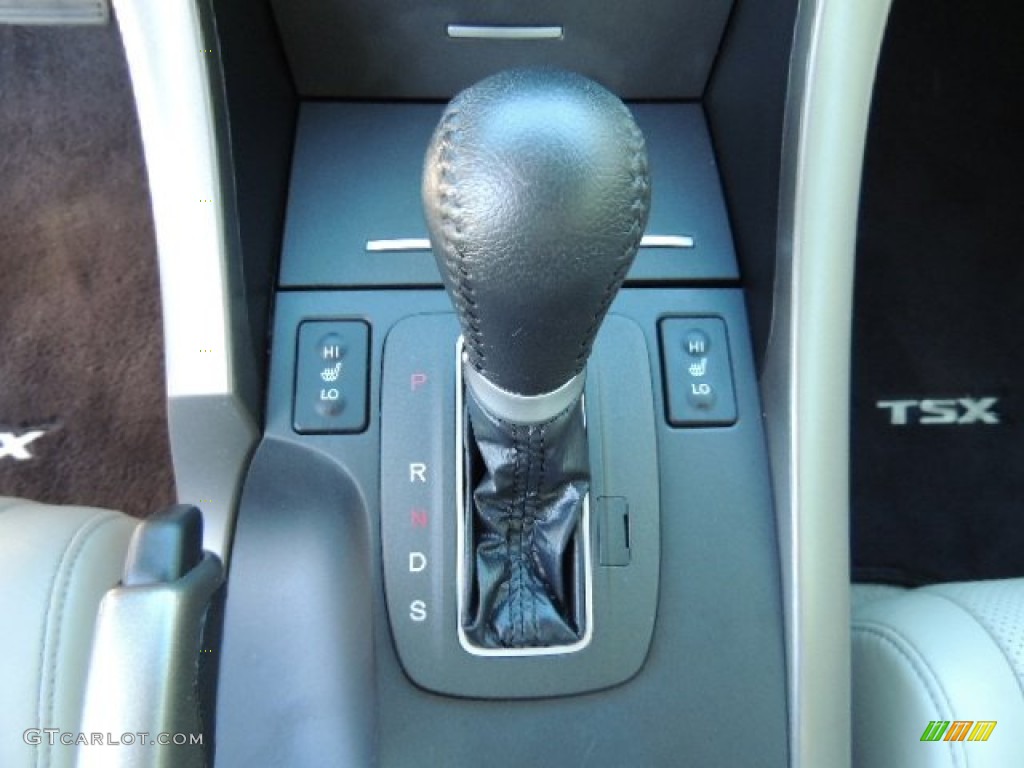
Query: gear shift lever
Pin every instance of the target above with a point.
(536, 196)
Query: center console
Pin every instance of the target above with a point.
(619, 574)
(428, 562)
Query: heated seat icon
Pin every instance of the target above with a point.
(331, 374)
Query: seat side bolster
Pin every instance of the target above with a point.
(56, 563)
(917, 658)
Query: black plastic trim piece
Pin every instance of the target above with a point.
(164, 547)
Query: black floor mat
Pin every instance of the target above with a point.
(938, 448)
(82, 404)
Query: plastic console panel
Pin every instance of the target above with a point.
(311, 669)
(310, 675)
(426, 519)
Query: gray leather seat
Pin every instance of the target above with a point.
(949, 652)
(56, 563)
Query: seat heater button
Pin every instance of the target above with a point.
(701, 395)
(696, 343)
(332, 347)
(331, 372)
(329, 407)
(699, 390)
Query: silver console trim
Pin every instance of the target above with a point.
(164, 44)
(405, 244)
(170, 65)
(523, 409)
(805, 383)
(667, 241)
(398, 245)
(485, 32)
(54, 12)
(142, 672)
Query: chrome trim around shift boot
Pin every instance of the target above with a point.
(523, 409)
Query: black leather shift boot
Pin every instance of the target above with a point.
(526, 486)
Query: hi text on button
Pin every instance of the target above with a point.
(331, 347)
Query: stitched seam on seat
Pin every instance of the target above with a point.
(988, 631)
(48, 655)
(919, 665)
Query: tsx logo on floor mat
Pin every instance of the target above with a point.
(15, 444)
(963, 410)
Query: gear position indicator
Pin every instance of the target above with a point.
(417, 502)
(422, 479)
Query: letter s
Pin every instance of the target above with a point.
(938, 412)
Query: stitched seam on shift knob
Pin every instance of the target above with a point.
(452, 232)
(640, 184)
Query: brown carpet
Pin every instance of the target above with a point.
(81, 350)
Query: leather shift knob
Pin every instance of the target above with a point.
(536, 195)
